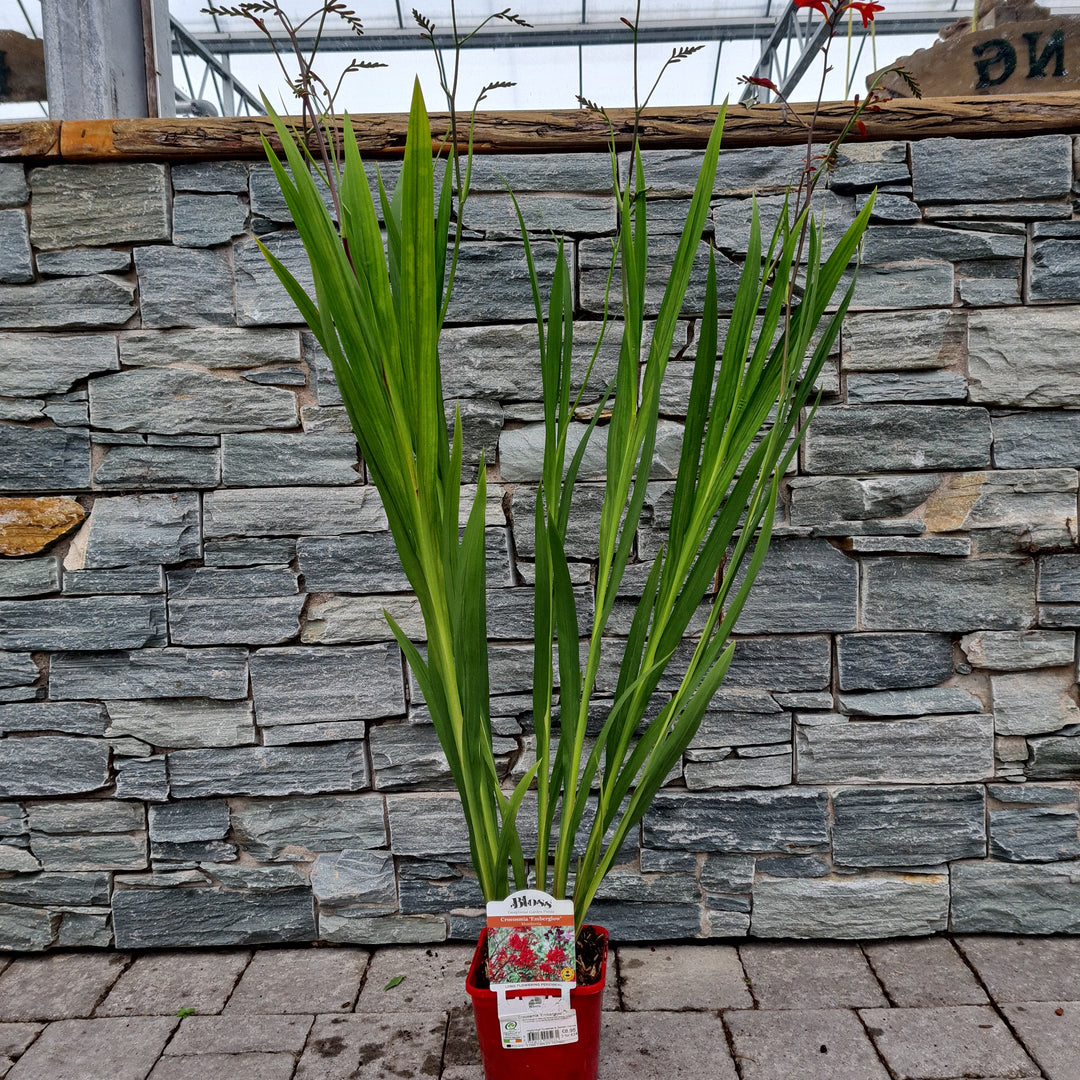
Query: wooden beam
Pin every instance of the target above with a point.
(29, 140)
(572, 131)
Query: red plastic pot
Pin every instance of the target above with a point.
(568, 1061)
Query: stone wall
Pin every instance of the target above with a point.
(208, 735)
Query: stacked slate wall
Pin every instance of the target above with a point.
(207, 735)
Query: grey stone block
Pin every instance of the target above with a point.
(80, 262)
(25, 929)
(913, 386)
(407, 755)
(949, 170)
(52, 765)
(212, 176)
(704, 774)
(565, 214)
(268, 770)
(99, 204)
(299, 685)
(782, 663)
(353, 877)
(13, 189)
(319, 732)
(485, 261)
(29, 577)
(18, 669)
(890, 661)
(1036, 439)
(1054, 757)
(155, 467)
(931, 701)
(300, 511)
(452, 892)
(205, 220)
(15, 242)
(911, 341)
(894, 438)
(248, 552)
(123, 579)
(92, 622)
(355, 928)
(282, 830)
(903, 243)
(793, 866)
(1038, 834)
(183, 823)
(942, 749)
(1033, 702)
(1054, 616)
(67, 890)
(861, 907)
(802, 586)
(184, 401)
(1015, 898)
(183, 722)
(97, 301)
(902, 285)
(731, 219)
(1059, 579)
(640, 921)
(119, 851)
(740, 172)
(271, 460)
(166, 918)
(208, 583)
(260, 298)
(908, 826)
(362, 563)
(71, 718)
(222, 347)
(890, 209)
(950, 595)
(1019, 650)
(739, 822)
(132, 529)
(1055, 270)
(85, 816)
(427, 825)
(43, 459)
(751, 725)
(362, 619)
(202, 278)
(249, 620)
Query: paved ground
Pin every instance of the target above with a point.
(931, 1009)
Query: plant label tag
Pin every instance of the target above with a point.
(531, 942)
(523, 1031)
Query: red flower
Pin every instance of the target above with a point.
(757, 80)
(818, 5)
(866, 9)
(862, 129)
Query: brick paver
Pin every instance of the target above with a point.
(160, 984)
(378, 1045)
(256, 1034)
(59, 987)
(432, 978)
(226, 1067)
(682, 977)
(664, 1045)
(810, 976)
(924, 972)
(1023, 968)
(1053, 1040)
(300, 981)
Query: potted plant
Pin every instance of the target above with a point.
(378, 312)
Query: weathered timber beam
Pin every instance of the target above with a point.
(559, 132)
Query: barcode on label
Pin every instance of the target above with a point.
(542, 1036)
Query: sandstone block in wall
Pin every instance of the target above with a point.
(355, 876)
(1035, 834)
(52, 765)
(99, 204)
(360, 620)
(1019, 650)
(1054, 757)
(93, 622)
(1033, 702)
(13, 188)
(802, 586)
(268, 770)
(15, 243)
(28, 526)
(1011, 898)
(248, 620)
(949, 170)
(916, 340)
(790, 819)
(205, 220)
(897, 438)
(43, 459)
(155, 467)
(30, 577)
(69, 717)
(186, 822)
(95, 302)
(261, 299)
(271, 460)
(286, 830)
(183, 722)
(891, 661)
(908, 826)
(941, 749)
(1024, 356)
(307, 684)
(184, 401)
(168, 918)
(948, 595)
(132, 529)
(299, 511)
(785, 663)
(427, 825)
(220, 347)
(80, 262)
(1036, 439)
(52, 363)
(184, 287)
(861, 907)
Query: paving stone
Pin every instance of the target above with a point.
(364, 1047)
(657, 1045)
(1033, 440)
(1019, 650)
(44, 459)
(289, 829)
(827, 976)
(14, 1039)
(1049, 1033)
(940, 749)
(778, 1045)
(1015, 898)
(1026, 970)
(956, 1040)
(262, 460)
(268, 770)
(161, 983)
(300, 980)
(890, 661)
(1036, 834)
(299, 511)
(678, 977)
(894, 438)
(947, 595)
(185, 400)
(203, 278)
(1028, 703)
(58, 987)
(156, 467)
(911, 826)
(299, 685)
(199, 1035)
(879, 906)
(926, 972)
(434, 980)
(150, 673)
(78, 262)
(129, 529)
(235, 1066)
(52, 765)
(97, 301)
